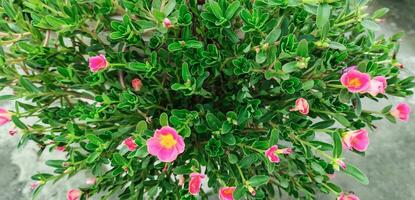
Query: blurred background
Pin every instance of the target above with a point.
(389, 162)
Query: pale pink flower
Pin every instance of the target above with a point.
(136, 84)
(5, 116)
(332, 176)
(167, 22)
(377, 85)
(60, 148)
(226, 193)
(347, 197)
(73, 194)
(98, 63)
(301, 105)
(91, 180)
(166, 144)
(181, 180)
(355, 81)
(402, 112)
(195, 182)
(358, 140)
(130, 144)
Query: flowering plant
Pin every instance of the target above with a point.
(173, 99)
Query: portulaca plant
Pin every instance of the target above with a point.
(173, 99)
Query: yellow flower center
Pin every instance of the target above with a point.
(167, 141)
(355, 82)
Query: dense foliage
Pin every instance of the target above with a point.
(234, 78)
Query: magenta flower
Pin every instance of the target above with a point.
(5, 116)
(166, 144)
(226, 193)
(357, 140)
(377, 85)
(136, 84)
(348, 69)
(195, 182)
(98, 63)
(73, 194)
(167, 22)
(34, 185)
(347, 197)
(355, 81)
(272, 153)
(130, 144)
(301, 105)
(60, 148)
(401, 111)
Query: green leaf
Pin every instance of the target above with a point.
(94, 139)
(258, 180)
(239, 192)
(231, 10)
(18, 123)
(336, 45)
(273, 35)
(54, 22)
(229, 139)
(355, 172)
(193, 44)
(164, 119)
(186, 72)
(371, 25)
(233, 159)
(28, 85)
(216, 9)
(290, 67)
(213, 122)
(337, 145)
(175, 46)
(138, 66)
(141, 127)
(92, 157)
(323, 15)
(8, 97)
(302, 49)
(119, 160)
(342, 120)
(261, 56)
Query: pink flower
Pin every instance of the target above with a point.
(130, 143)
(166, 144)
(195, 183)
(167, 22)
(355, 81)
(377, 85)
(301, 105)
(60, 148)
(226, 193)
(73, 194)
(181, 180)
(347, 197)
(34, 185)
(91, 181)
(358, 140)
(98, 63)
(271, 154)
(5, 116)
(337, 163)
(136, 84)
(401, 111)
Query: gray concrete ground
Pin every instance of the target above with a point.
(389, 162)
